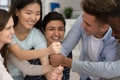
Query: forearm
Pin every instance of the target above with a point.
(26, 67)
(45, 65)
(33, 54)
(98, 69)
(66, 62)
(75, 32)
(28, 54)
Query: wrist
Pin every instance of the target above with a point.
(67, 62)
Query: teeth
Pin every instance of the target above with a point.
(56, 38)
(31, 23)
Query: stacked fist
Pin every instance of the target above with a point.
(56, 47)
(55, 74)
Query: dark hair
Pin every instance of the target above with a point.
(52, 16)
(19, 4)
(4, 17)
(116, 11)
(99, 8)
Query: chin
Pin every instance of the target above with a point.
(88, 33)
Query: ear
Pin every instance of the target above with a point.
(105, 27)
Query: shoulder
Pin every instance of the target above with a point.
(36, 31)
(37, 35)
(108, 36)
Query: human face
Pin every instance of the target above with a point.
(115, 24)
(92, 27)
(54, 32)
(6, 33)
(28, 16)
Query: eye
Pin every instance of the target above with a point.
(28, 12)
(61, 29)
(38, 13)
(51, 29)
(8, 27)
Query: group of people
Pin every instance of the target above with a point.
(31, 47)
(28, 54)
(99, 58)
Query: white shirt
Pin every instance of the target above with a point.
(4, 75)
(94, 46)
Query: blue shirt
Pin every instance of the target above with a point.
(107, 52)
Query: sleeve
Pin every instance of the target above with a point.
(26, 67)
(98, 69)
(109, 50)
(4, 75)
(72, 38)
(39, 40)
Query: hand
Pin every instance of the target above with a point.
(55, 74)
(60, 59)
(51, 76)
(46, 68)
(60, 72)
(56, 59)
(55, 47)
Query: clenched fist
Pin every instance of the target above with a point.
(55, 47)
(55, 74)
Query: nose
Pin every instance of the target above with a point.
(56, 32)
(12, 31)
(33, 17)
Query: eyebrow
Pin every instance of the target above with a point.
(85, 21)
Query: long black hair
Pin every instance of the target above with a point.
(19, 4)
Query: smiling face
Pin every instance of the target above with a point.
(29, 15)
(6, 33)
(92, 27)
(54, 31)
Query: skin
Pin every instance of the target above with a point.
(92, 27)
(5, 38)
(64, 61)
(6, 33)
(54, 32)
(27, 18)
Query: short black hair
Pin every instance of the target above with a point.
(52, 16)
(116, 11)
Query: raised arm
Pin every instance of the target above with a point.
(32, 54)
(72, 37)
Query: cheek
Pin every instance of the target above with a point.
(5, 38)
(38, 18)
(62, 35)
(48, 35)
